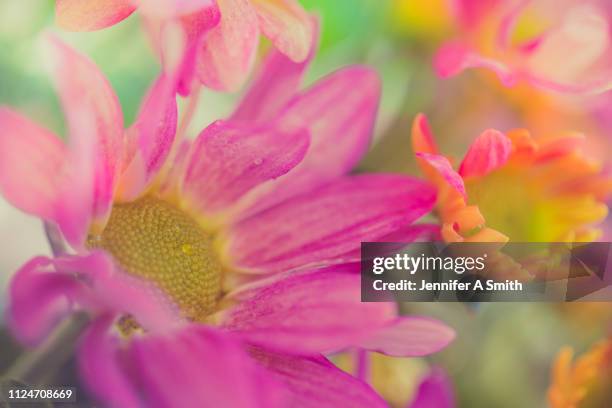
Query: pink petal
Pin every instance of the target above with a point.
(169, 9)
(339, 111)
(445, 169)
(79, 15)
(309, 312)
(287, 25)
(31, 160)
(435, 390)
(228, 160)
(410, 337)
(100, 357)
(39, 300)
(150, 138)
(489, 152)
(314, 382)
(422, 136)
(199, 366)
(95, 123)
(319, 226)
(228, 51)
(454, 57)
(277, 81)
(46, 290)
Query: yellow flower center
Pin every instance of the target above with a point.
(523, 205)
(154, 240)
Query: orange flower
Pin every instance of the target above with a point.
(514, 187)
(587, 382)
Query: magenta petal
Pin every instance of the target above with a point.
(339, 110)
(228, 160)
(410, 337)
(199, 366)
(40, 298)
(314, 382)
(277, 81)
(445, 169)
(434, 391)
(95, 124)
(150, 138)
(319, 226)
(101, 366)
(488, 152)
(309, 312)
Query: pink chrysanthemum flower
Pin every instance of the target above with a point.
(515, 187)
(216, 272)
(530, 41)
(222, 35)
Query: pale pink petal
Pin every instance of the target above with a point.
(89, 15)
(100, 356)
(314, 382)
(287, 25)
(445, 169)
(339, 111)
(228, 160)
(319, 226)
(95, 123)
(487, 153)
(32, 161)
(228, 50)
(584, 31)
(309, 312)
(198, 366)
(169, 9)
(434, 391)
(277, 81)
(149, 139)
(454, 57)
(410, 336)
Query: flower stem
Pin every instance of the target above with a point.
(54, 237)
(36, 366)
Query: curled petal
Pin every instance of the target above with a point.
(228, 160)
(39, 301)
(46, 290)
(287, 24)
(314, 382)
(489, 152)
(90, 15)
(443, 167)
(319, 226)
(410, 337)
(309, 312)
(228, 51)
